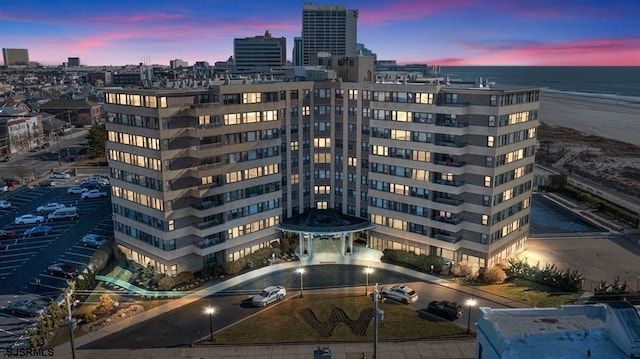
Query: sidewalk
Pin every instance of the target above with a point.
(415, 349)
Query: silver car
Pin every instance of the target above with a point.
(400, 293)
(29, 219)
(269, 295)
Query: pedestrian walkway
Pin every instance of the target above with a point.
(448, 349)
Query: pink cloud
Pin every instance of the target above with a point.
(408, 10)
(133, 18)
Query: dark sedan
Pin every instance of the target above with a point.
(38, 231)
(445, 309)
(62, 270)
(7, 234)
(29, 307)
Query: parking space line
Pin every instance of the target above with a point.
(74, 262)
(78, 254)
(15, 261)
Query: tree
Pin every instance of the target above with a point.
(97, 139)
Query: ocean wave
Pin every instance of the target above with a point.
(622, 100)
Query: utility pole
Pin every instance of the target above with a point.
(378, 316)
(71, 324)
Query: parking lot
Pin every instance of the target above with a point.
(24, 260)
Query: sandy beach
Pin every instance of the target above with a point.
(609, 116)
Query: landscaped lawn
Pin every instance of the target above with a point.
(531, 293)
(292, 321)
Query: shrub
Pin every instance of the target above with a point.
(462, 269)
(495, 275)
(106, 303)
(257, 258)
(234, 267)
(210, 271)
(184, 278)
(89, 317)
(166, 283)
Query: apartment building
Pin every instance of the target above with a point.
(327, 28)
(205, 175)
(259, 53)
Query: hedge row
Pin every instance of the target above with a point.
(411, 260)
(566, 281)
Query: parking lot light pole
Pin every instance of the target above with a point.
(301, 271)
(367, 271)
(210, 311)
(470, 304)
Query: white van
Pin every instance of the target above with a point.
(63, 214)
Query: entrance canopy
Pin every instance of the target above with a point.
(324, 222)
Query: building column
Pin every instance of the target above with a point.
(351, 242)
(342, 240)
(301, 236)
(310, 244)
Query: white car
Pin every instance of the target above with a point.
(76, 190)
(269, 295)
(94, 193)
(401, 293)
(50, 207)
(61, 175)
(29, 219)
(5, 204)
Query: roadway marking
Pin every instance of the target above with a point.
(78, 254)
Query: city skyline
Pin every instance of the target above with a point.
(452, 33)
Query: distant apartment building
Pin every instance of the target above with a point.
(73, 62)
(328, 28)
(259, 53)
(208, 175)
(15, 57)
(178, 63)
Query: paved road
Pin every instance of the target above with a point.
(187, 324)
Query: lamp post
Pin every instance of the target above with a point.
(301, 271)
(210, 311)
(367, 271)
(470, 304)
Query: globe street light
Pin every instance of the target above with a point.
(210, 311)
(367, 271)
(301, 271)
(470, 304)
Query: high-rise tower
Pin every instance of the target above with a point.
(328, 28)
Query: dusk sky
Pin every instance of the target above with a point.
(443, 32)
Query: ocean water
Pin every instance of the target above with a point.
(608, 80)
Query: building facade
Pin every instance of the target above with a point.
(259, 53)
(15, 57)
(328, 28)
(206, 175)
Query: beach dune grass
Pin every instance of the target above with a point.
(290, 322)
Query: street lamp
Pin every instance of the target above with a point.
(367, 271)
(210, 311)
(301, 271)
(470, 304)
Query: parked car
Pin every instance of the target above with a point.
(62, 270)
(445, 309)
(5, 204)
(7, 234)
(76, 190)
(401, 293)
(38, 231)
(29, 307)
(61, 175)
(269, 295)
(3, 188)
(64, 213)
(47, 183)
(12, 182)
(94, 240)
(7, 159)
(94, 193)
(29, 219)
(50, 207)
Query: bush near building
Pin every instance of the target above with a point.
(567, 281)
(411, 260)
(495, 275)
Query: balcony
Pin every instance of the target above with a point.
(208, 224)
(450, 123)
(451, 162)
(206, 205)
(449, 220)
(205, 243)
(448, 238)
(450, 201)
(450, 183)
(450, 143)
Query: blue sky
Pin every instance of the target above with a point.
(443, 32)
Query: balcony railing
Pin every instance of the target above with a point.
(205, 243)
(448, 238)
(206, 205)
(450, 162)
(449, 220)
(450, 183)
(208, 224)
(447, 123)
(451, 201)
